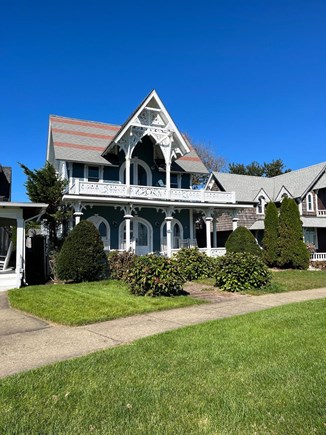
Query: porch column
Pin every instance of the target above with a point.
(214, 232)
(191, 226)
(20, 257)
(234, 223)
(127, 218)
(128, 174)
(208, 221)
(168, 180)
(78, 215)
(168, 221)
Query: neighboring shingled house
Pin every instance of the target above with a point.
(134, 182)
(307, 186)
(5, 183)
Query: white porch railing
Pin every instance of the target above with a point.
(321, 213)
(79, 187)
(214, 252)
(318, 256)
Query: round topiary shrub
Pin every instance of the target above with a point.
(241, 271)
(242, 240)
(153, 275)
(82, 256)
(194, 264)
(120, 264)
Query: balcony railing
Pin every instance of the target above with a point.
(108, 189)
(321, 213)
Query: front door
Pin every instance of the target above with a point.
(142, 239)
(140, 236)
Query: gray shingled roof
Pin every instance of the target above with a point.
(313, 222)
(296, 182)
(84, 141)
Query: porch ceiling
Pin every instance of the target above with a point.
(313, 222)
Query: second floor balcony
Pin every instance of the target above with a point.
(118, 190)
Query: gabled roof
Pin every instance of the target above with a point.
(80, 141)
(83, 141)
(298, 183)
(163, 118)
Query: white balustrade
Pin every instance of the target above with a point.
(318, 256)
(80, 187)
(214, 252)
(321, 213)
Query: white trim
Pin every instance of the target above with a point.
(134, 163)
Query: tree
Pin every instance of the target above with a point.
(82, 256)
(272, 169)
(211, 160)
(293, 253)
(270, 240)
(44, 185)
(242, 240)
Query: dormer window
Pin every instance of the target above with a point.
(261, 205)
(93, 173)
(310, 202)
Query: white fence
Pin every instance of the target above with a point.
(318, 256)
(79, 187)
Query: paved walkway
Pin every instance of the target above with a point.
(27, 343)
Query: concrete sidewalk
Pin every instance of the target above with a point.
(29, 343)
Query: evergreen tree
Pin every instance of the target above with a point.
(82, 256)
(242, 240)
(44, 185)
(293, 253)
(270, 240)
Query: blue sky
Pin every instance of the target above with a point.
(246, 77)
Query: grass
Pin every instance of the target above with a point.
(79, 304)
(285, 281)
(262, 373)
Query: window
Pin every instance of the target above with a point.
(93, 173)
(175, 181)
(310, 236)
(261, 205)
(310, 202)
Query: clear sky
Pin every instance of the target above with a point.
(247, 77)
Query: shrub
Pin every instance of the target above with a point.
(241, 240)
(241, 271)
(318, 264)
(194, 264)
(120, 264)
(152, 275)
(270, 252)
(82, 257)
(293, 253)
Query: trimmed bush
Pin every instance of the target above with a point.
(194, 264)
(120, 264)
(241, 240)
(293, 253)
(241, 271)
(82, 256)
(270, 240)
(153, 275)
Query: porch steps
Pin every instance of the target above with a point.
(8, 280)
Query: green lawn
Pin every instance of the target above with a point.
(79, 304)
(261, 373)
(287, 280)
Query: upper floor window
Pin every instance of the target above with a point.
(175, 181)
(310, 202)
(93, 173)
(261, 205)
